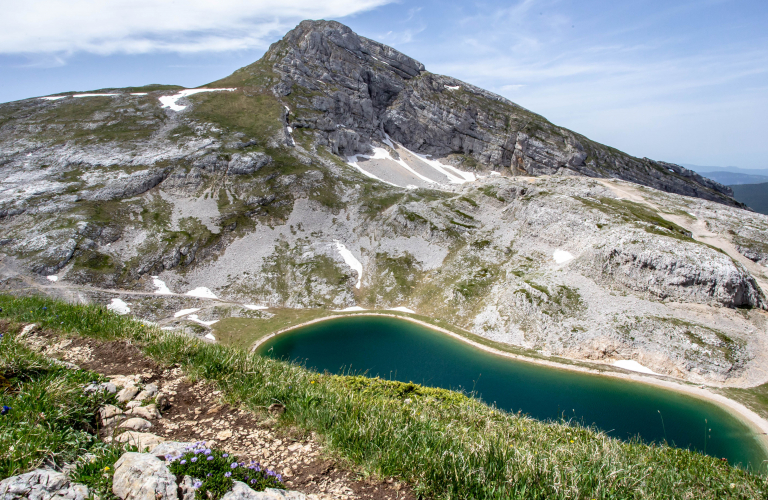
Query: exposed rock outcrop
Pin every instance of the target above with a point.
(42, 484)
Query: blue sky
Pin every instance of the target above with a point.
(681, 81)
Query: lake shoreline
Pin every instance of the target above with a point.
(754, 421)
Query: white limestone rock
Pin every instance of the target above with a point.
(42, 484)
(142, 476)
(136, 424)
(142, 440)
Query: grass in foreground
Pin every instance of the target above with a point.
(443, 443)
(47, 415)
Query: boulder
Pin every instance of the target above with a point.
(247, 163)
(141, 476)
(241, 491)
(142, 440)
(136, 424)
(42, 484)
(127, 394)
(150, 390)
(171, 449)
(187, 489)
(149, 412)
(93, 388)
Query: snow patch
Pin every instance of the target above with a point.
(184, 312)
(352, 162)
(402, 309)
(351, 261)
(196, 319)
(634, 366)
(451, 87)
(169, 101)
(210, 336)
(53, 97)
(138, 93)
(53, 278)
(162, 288)
(119, 307)
(93, 95)
(561, 256)
(202, 292)
(350, 309)
(254, 307)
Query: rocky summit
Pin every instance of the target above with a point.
(336, 172)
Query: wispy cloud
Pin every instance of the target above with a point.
(144, 26)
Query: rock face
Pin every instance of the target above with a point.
(142, 476)
(42, 484)
(241, 491)
(354, 91)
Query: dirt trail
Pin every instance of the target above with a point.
(698, 229)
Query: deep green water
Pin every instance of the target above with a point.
(401, 350)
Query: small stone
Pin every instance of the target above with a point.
(187, 489)
(163, 402)
(276, 409)
(133, 404)
(142, 440)
(171, 448)
(149, 412)
(136, 424)
(27, 330)
(224, 435)
(127, 394)
(109, 411)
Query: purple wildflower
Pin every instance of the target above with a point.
(210, 457)
(208, 475)
(225, 455)
(197, 484)
(227, 474)
(194, 459)
(5, 410)
(280, 478)
(253, 481)
(234, 465)
(208, 451)
(183, 462)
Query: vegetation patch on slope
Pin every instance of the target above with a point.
(450, 448)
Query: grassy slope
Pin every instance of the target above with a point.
(445, 444)
(755, 196)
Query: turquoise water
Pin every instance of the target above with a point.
(400, 350)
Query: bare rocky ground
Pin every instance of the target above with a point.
(191, 412)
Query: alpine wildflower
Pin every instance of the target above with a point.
(210, 457)
(227, 474)
(194, 459)
(5, 410)
(197, 484)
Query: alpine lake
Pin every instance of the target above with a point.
(397, 349)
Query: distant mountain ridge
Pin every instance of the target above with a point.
(355, 92)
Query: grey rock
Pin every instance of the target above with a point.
(247, 163)
(133, 185)
(241, 491)
(142, 440)
(187, 489)
(103, 387)
(148, 392)
(142, 476)
(171, 448)
(42, 484)
(127, 394)
(136, 424)
(149, 412)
